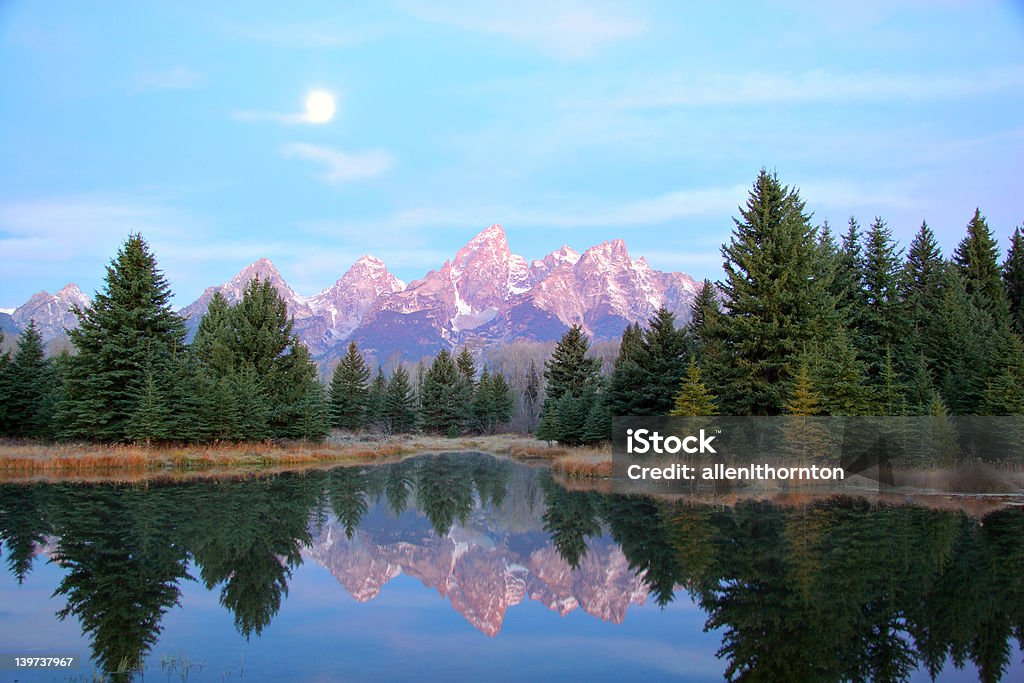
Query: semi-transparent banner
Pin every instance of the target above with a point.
(686, 454)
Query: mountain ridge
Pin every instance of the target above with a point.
(484, 295)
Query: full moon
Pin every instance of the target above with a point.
(319, 107)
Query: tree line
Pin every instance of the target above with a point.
(447, 398)
(803, 323)
(245, 376)
(807, 324)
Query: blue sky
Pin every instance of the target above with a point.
(566, 121)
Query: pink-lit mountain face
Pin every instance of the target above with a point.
(485, 295)
(481, 571)
(53, 313)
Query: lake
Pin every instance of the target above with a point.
(470, 567)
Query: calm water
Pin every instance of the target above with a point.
(465, 566)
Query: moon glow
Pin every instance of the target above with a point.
(319, 107)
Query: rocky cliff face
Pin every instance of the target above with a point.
(485, 295)
(53, 313)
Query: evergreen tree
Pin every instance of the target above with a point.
(597, 427)
(570, 370)
(848, 286)
(442, 408)
(153, 420)
(375, 401)
(707, 336)
(6, 387)
(693, 398)
(571, 377)
(1013, 278)
(213, 343)
(128, 320)
(1004, 391)
(840, 376)
(466, 365)
(400, 403)
(649, 367)
(483, 407)
(350, 391)
(881, 327)
(313, 423)
(889, 399)
(804, 401)
(466, 386)
(777, 289)
(531, 396)
(501, 401)
(921, 287)
(954, 343)
(977, 258)
(30, 380)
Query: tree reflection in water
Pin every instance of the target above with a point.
(838, 589)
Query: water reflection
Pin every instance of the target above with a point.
(837, 590)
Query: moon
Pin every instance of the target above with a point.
(319, 107)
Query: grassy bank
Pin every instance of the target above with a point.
(20, 460)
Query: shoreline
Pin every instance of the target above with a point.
(22, 461)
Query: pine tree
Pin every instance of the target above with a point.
(570, 370)
(213, 343)
(881, 327)
(30, 378)
(252, 405)
(483, 404)
(531, 396)
(375, 401)
(777, 289)
(954, 343)
(129, 319)
(920, 287)
(597, 427)
(804, 401)
(1013, 279)
(152, 420)
(570, 390)
(350, 390)
(848, 284)
(466, 365)
(466, 386)
(1004, 391)
(400, 403)
(313, 422)
(693, 398)
(6, 386)
(442, 410)
(889, 399)
(650, 363)
(707, 337)
(840, 375)
(920, 387)
(977, 258)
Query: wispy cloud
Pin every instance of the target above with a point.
(174, 78)
(563, 29)
(339, 166)
(684, 89)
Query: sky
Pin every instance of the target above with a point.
(567, 121)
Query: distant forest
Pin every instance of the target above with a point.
(802, 324)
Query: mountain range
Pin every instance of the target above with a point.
(485, 295)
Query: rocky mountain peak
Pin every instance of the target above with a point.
(52, 312)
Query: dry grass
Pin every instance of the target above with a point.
(124, 462)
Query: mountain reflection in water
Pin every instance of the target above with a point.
(833, 590)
